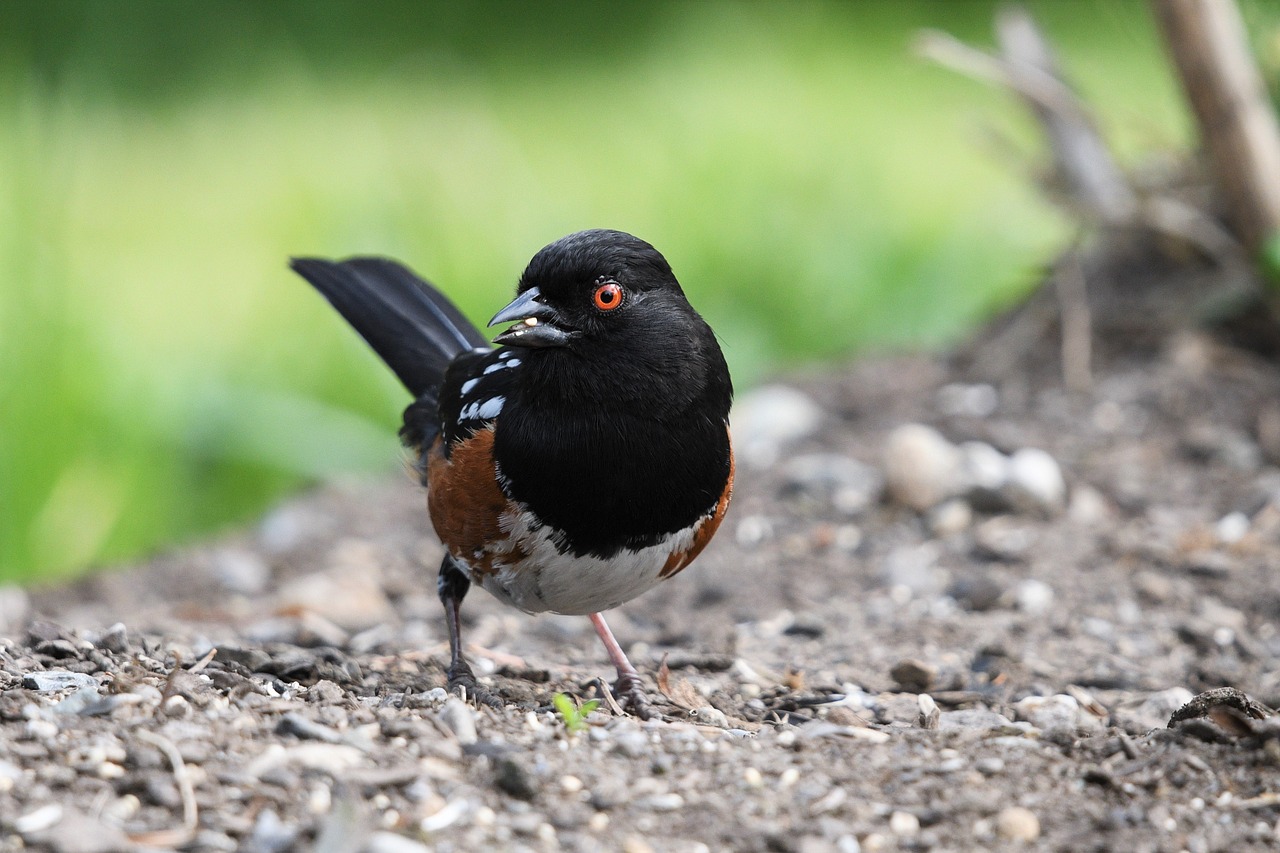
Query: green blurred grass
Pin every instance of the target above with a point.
(817, 190)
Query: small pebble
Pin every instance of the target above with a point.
(669, 802)
(904, 824)
(38, 820)
(985, 473)
(1057, 711)
(511, 776)
(451, 813)
(950, 517)
(389, 842)
(114, 639)
(460, 719)
(709, 716)
(1231, 528)
(1033, 597)
(1018, 824)
(921, 467)
(913, 676)
(1003, 538)
(57, 679)
(1036, 482)
(829, 802)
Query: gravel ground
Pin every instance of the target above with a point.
(942, 615)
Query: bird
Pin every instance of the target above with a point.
(578, 463)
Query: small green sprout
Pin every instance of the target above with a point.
(574, 716)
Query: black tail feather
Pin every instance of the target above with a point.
(413, 327)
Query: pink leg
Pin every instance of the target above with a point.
(628, 688)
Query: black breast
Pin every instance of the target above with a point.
(608, 480)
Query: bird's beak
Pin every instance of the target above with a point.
(536, 323)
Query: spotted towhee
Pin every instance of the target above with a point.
(584, 459)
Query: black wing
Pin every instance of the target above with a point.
(474, 391)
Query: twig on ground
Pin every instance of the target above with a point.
(190, 812)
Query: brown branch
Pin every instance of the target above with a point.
(1210, 48)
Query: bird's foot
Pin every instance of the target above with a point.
(631, 695)
(462, 682)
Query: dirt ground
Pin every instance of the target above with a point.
(843, 671)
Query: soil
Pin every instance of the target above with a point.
(837, 672)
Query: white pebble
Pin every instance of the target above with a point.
(461, 720)
(921, 467)
(1036, 475)
(950, 517)
(39, 820)
(985, 467)
(1018, 824)
(1034, 597)
(1232, 527)
(446, 817)
(904, 824)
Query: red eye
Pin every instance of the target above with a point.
(607, 296)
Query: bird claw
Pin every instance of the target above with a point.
(462, 682)
(631, 695)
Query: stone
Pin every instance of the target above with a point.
(972, 718)
(950, 517)
(1003, 538)
(921, 467)
(985, 474)
(460, 719)
(1055, 712)
(1033, 597)
(1036, 482)
(389, 842)
(1017, 824)
(913, 676)
(511, 776)
(56, 679)
(904, 824)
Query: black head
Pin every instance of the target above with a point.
(589, 286)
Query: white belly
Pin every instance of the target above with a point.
(563, 583)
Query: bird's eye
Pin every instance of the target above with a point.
(607, 296)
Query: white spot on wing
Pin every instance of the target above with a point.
(468, 385)
(502, 365)
(482, 410)
(491, 407)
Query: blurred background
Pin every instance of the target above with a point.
(819, 191)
